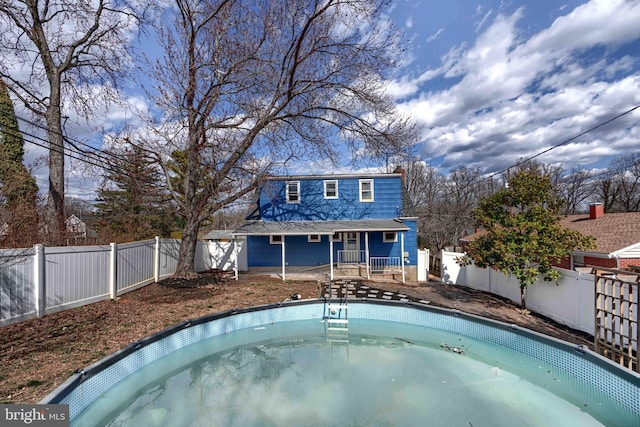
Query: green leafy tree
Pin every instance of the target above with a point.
(523, 237)
(17, 187)
(131, 203)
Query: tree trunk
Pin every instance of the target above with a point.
(54, 211)
(523, 302)
(186, 257)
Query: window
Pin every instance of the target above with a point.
(314, 238)
(275, 239)
(337, 237)
(293, 191)
(366, 190)
(389, 237)
(331, 189)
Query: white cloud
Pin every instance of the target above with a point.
(514, 97)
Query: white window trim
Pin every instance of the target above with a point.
(363, 181)
(337, 237)
(297, 183)
(327, 181)
(275, 239)
(314, 238)
(386, 240)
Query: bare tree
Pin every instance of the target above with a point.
(627, 177)
(605, 190)
(245, 84)
(55, 55)
(575, 189)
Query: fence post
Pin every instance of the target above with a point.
(156, 261)
(39, 277)
(113, 271)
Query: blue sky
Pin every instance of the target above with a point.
(491, 82)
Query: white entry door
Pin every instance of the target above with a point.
(351, 247)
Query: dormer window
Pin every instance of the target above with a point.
(366, 190)
(293, 191)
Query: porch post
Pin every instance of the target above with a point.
(156, 260)
(366, 253)
(331, 257)
(402, 253)
(283, 261)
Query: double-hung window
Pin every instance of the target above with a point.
(331, 189)
(293, 191)
(366, 190)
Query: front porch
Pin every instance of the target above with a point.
(361, 249)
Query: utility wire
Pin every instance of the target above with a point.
(573, 138)
(101, 159)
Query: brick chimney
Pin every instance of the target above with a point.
(596, 210)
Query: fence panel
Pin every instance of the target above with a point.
(169, 249)
(76, 275)
(203, 260)
(450, 270)
(571, 302)
(17, 285)
(134, 265)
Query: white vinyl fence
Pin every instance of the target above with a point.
(571, 302)
(42, 280)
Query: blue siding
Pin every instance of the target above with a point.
(411, 241)
(301, 252)
(313, 206)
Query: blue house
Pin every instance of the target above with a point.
(350, 224)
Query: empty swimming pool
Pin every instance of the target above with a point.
(397, 364)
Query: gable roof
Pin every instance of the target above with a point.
(613, 231)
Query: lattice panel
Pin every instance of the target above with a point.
(616, 329)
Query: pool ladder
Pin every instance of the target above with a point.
(335, 317)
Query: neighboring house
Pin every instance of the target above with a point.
(77, 231)
(353, 223)
(617, 239)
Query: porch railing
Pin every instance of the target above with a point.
(351, 257)
(383, 264)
